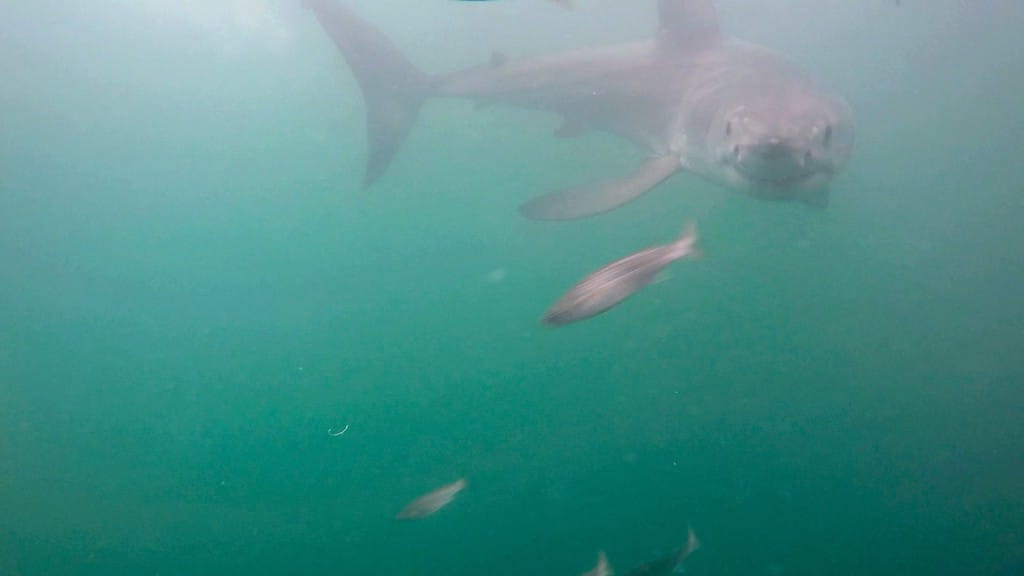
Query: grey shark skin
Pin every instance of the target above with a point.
(697, 101)
(613, 283)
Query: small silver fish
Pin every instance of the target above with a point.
(602, 568)
(617, 281)
(432, 501)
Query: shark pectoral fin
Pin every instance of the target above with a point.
(582, 202)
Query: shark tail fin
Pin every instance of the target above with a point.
(393, 88)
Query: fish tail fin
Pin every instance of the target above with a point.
(393, 88)
(692, 543)
(603, 567)
(686, 244)
(691, 546)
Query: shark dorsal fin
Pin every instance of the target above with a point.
(687, 24)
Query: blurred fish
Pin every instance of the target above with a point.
(432, 501)
(617, 281)
(670, 562)
(602, 568)
(696, 100)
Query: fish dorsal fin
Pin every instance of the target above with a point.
(687, 24)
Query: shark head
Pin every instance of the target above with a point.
(785, 143)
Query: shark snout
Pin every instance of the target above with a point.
(782, 150)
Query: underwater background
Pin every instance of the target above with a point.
(195, 290)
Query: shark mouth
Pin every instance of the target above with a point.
(779, 167)
(788, 181)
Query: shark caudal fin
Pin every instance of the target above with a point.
(393, 88)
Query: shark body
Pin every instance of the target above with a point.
(697, 101)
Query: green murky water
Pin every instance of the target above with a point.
(194, 290)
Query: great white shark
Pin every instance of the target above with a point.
(733, 112)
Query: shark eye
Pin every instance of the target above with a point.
(728, 129)
(827, 137)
